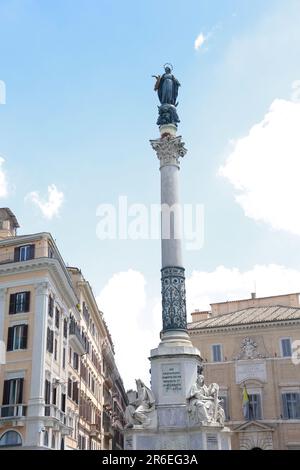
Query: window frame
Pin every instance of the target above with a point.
(221, 352)
(285, 338)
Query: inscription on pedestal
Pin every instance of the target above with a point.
(171, 378)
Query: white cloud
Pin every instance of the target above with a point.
(225, 284)
(199, 41)
(131, 321)
(264, 168)
(134, 319)
(3, 181)
(51, 207)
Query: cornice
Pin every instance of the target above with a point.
(58, 275)
(243, 327)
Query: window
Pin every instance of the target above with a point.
(10, 438)
(75, 392)
(75, 361)
(291, 405)
(50, 337)
(57, 318)
(47, 397)
(64, 358)
(24, 253)
(12, 395)
(19, 303)
(286, 348)
(217, 352)
(63, 402)
(53, 440)
(65, 328)
(54, 395)
(70, 388)
(55, 349)
(17, 337)
(50, 306)
(254, 409)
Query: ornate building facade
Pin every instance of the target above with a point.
(56, 391)
(254, 344)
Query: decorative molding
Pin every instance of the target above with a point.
(173, 299)
(242, 327)
(169, 149)
(42, 288)
(248, 350)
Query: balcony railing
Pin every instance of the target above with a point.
(54, 412)
(13, 411)
(74, 330)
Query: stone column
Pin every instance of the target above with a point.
(36, 399)
(169, 148)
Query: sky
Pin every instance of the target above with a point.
(77, 111)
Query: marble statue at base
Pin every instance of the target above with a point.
(141, 407)
(204, 403)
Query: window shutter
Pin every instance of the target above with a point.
(63, 402)
(10, 338)
(70, 388)
(47, 392)
(6, 389)
(54, 396)
(24, 337)
(52, 340)
(12, 304)
(285, 406)
(297, 405)
(20, 394)
(27, 302)
(32, 251)
(17, 254)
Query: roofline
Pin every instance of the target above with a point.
(256, 298)
(238, 324)
(32, 236)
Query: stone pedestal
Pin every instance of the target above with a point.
(175, 364)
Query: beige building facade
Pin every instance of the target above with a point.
(53, 345)
(254, 343)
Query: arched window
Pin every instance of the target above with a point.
(10, 438)
(46, 439)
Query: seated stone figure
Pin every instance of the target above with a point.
(140, 409)
(204, 403)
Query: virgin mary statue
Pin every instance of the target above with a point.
(167, 87)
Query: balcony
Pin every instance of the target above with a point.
(57, 419)
(75, 338)
(13, 411)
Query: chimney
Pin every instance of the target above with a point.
(253, 295)
(198, 316)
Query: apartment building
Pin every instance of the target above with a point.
(52, 335)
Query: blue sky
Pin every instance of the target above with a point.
(80, 110)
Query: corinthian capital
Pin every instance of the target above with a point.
(169, 149)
